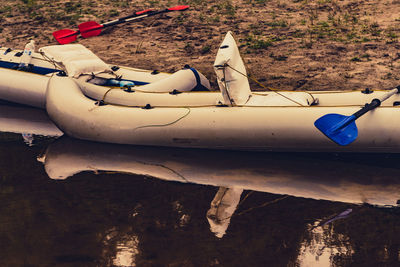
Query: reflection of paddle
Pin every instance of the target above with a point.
(342, 129)
(92, 28)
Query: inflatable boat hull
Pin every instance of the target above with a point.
(271, 128)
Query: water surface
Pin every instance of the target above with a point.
(66, 202)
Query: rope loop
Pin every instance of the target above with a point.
(265, 87)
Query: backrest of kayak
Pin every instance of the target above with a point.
(231, 73)
(234, 84)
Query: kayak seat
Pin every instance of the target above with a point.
(75, 59)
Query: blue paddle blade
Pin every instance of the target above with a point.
(339, 128)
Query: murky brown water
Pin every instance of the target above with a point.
(65, 202)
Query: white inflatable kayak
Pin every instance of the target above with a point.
(236, 119)
(28, 85)
(276, 128)
(163, 113)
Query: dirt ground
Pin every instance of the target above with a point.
(285, 44)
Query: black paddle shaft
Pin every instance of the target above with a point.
(369, 106)
(374, 104)
(134, 17)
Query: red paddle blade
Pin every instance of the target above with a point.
(65, 36)
(90, 28)
(178, 8)
(143, 12)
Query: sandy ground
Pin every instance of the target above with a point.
(286, 44)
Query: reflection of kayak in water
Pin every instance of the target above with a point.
(222, 208)
(315, 176)
(27, 121)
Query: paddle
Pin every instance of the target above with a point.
(92, 28)
(66, 36)
(342, 129)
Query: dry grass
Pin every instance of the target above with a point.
(288, 44)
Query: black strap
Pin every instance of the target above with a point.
(199, 86)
